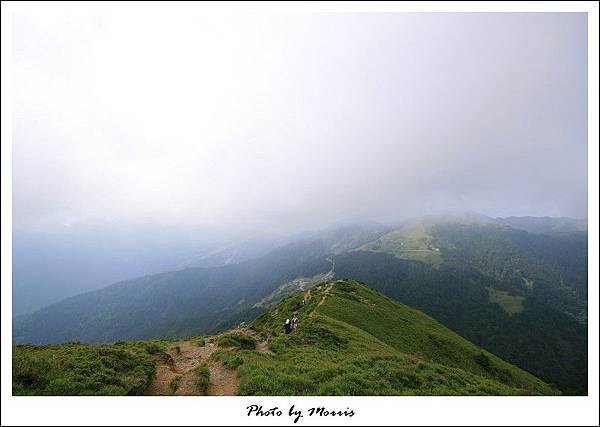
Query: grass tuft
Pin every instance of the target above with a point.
(236, 340)
(202, 377)
(174, 385)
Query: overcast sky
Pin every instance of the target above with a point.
(295, 121)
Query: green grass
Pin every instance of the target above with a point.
(199, 340)
(202, 377)
(358, 342)
(174, 385)
(228, 361)
(362, 343)
(236, 340)
(123, 368)
(512, 304)
(411, 241)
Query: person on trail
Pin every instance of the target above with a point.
(287, 326)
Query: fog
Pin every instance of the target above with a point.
(288, 122)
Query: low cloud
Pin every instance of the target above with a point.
(295, 121)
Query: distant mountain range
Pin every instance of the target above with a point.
(544, 224)
(517, 287)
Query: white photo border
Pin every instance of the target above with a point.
(232, 410)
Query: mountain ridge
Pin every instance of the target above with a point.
(518, 294)
(350, 340)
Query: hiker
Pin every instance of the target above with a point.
(287, 326)
(294, 322)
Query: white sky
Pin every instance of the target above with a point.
(294, 121)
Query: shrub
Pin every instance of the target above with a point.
(276, 345)
(323, 336)
(233, 362)
(175, 384)
(483, 361)
(202, 377)
(236, 340)
(152, 347)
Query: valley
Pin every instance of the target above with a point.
(517, 294)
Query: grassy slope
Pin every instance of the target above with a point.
(512, 304)
(410, 241)
(358, 342)
(361, 343)
(550, 268)
(123, 368)
(540, 339)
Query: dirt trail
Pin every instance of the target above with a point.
(326, 292)
(181, 358)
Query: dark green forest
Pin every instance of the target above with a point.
(540, 339)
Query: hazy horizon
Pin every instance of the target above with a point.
(289, 122)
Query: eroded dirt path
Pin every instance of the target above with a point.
(179, 360)
(326, 292)
(182, 357)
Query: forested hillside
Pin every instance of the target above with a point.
(520, 295)
(538, 337)
(349, 340)
(178, 303)
(551, 267)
